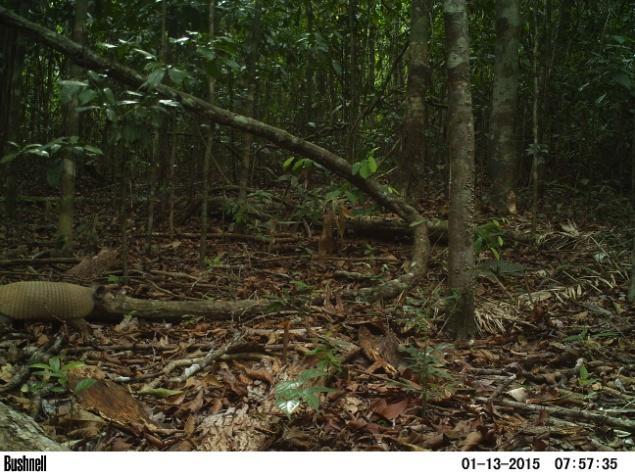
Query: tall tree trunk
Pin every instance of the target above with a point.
(159, 141)
(503, 150)
(536, 156)
(352, 75)
(71, 128)
(250, 102)
(461, 150)
(413, 153)
(209, 147)
(11, 107)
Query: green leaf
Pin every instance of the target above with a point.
(584, 373)
(146, 55)
(169, 102)
(288, 406)
(155, 77)
(39, 365)
(312, 399)
(287, 386)
(177, 76)
(84, 384)
(372, 164)
(287, 163)
(309, 374)
(86, 96)
(110, 97)
(72, 365)
(55, 364)
(9, 157)
(93, 150)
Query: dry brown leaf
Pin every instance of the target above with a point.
(471, 441)
(111, 401)
(193, 405)
(390, 411)
(190, 425)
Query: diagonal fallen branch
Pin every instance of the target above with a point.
(197, 364)
(87, 58)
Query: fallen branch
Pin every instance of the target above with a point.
(87, 58)
(210, 357)
(571, 413)
(120, 304)
(22, 261)
(20, 432)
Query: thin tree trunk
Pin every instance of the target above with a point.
(535, 164)
(171, 182)
(250, 102)
(209, 148)
(631, 290)
(461, 149)
(503, 150)
(413, 153)
(11, 108)
(158, 145)
(71, 128)
(124, 169)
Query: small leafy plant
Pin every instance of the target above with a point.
(291, 394)
(428, 366)
(54, 376)
(489, 237)
(585, 378)
(367, 167)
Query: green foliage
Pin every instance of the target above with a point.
(54, 376)
(585, 335)
(297, 165)
(417, 313)
(301, 286)
(291, 394)
(427, 364)
(489, 236)
(55, 152)
(367, 167)
(585, 379)
(215, 262)
(114, 279)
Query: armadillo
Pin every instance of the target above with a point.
(46, 300)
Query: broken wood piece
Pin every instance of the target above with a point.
(149, 309)
(20, 432)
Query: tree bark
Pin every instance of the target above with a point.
(11, 107)
(209, 147)
(503, 150)
(461, 150)
(71, 129)
(19, 432)
(338, 165)
(413, 153)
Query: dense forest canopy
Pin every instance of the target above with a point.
(366, 176)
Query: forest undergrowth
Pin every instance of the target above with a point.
(551, 369)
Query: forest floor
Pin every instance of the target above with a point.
(552, 367)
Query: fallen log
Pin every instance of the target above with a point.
(20, 432)
(153, 310)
